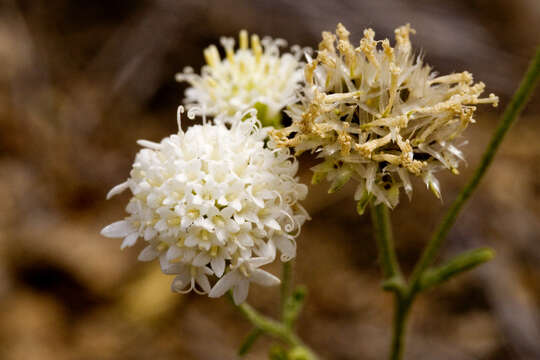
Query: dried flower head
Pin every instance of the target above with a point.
(378, 114)
(258, 77)
(213, 201)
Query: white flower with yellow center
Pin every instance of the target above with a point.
(258, 77)
(378, 114)
(214, 200)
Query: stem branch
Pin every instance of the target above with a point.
(267, 325)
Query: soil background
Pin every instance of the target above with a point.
(81, 81)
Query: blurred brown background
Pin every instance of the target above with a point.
(81, 81)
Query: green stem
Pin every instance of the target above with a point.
(269, 326)
(383, 235)
(510, 115)
(249, 341)
(274, 328)
(392, 274)
(286, 279)
(401, 312)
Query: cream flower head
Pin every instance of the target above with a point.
(214, 200)
(378, 114)
(258, 77)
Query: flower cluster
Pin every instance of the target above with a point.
(257, 77)
(214, 201)
(378, 114)
(218, 201)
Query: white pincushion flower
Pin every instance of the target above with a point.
(213, 200)
(378, 114)
(258, 77)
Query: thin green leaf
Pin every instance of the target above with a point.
(461, 263)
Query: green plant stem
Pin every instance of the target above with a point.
(249, 341)
(401, 313)
(269, 326)
(275, 329)
(394, 281)
(286, 278)
(385, 243)
(510, 115)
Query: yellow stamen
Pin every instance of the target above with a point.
(211, 55)
(243, 39)
(256, 46)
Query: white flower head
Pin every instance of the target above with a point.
(250, 77)
(214, 200)
(378, 114)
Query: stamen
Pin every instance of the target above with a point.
(243, 39)
(211, 55)
(256, 46)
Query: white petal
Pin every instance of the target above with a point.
(227, 212)
(240, 292)
(130, 240)
(201, 259)
(264, 278)
(117, 229)
(148, 254)
(407, 185)
(236, 205)
(172, 269)
(180, 282)
(233, 227)
(203, 282)
(221, 235)
(218, 265)
(224, 284)
(117, 189)
(191, 240)
(257, 201)
(149, 233)
(260, 261)
(163, 262)
(272, 224)
(149, 144)
(245, 239)
(287, 247)
(173, 252)
(268, 251)
(161, 225)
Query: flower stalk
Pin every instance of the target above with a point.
(286, 278)
(385, 242)
(393, 279)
